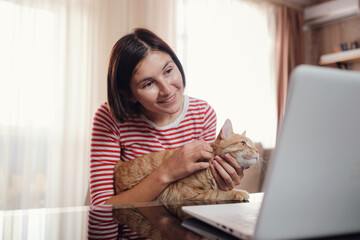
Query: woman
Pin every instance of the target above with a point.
(147, 111)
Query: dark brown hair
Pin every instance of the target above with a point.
(125, 56)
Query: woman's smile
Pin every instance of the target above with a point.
(170, 100)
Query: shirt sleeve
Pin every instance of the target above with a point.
(105, 152)
(210, 121)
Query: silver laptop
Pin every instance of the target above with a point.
(312, 185)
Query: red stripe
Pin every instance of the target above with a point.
(108, 150)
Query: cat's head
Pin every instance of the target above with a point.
(237, 145)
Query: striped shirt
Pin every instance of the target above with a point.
(113, 141)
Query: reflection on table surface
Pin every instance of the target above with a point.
(154, 220)
(45, 223)
(157, 220)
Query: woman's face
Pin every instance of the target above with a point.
(157, 85)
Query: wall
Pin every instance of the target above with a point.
(321, 39)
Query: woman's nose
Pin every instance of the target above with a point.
(165, 88)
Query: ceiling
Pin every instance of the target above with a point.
(303, 3)
(297, 4)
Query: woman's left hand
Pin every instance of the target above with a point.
(227, 172)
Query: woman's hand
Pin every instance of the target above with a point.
(227, 172)
(188, 159)
(184, 161)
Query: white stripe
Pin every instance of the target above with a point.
(112, 158)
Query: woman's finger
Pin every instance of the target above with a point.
(232, 161)
(235, 173)
(228, 168)
(225, 176)
(217, 177)
(202, 150)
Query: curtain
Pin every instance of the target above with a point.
(228, 51)
(157, 15)
(47, 78)
(289, 51)
(53, 63)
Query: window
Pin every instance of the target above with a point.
(44, 99)
(227, 50)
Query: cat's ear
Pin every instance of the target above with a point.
(226, 130)
(244, 133)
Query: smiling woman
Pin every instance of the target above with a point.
(148, 112)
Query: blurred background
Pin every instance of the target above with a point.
(53, 67)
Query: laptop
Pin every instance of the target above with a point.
(312, 185)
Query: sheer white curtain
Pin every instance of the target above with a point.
(48, 79)
(53, 63)
(227, 48)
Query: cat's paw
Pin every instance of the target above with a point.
(241, 195)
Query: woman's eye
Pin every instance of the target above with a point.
(168, 71)
(147, 84)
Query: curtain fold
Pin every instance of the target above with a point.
(289, 51)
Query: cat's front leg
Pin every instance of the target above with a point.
(240, 194)
(224, 195)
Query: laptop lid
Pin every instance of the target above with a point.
(312, 187)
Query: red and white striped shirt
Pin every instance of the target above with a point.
(113, 141)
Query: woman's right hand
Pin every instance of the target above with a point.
(186, 160)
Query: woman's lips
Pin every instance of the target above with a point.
(169, 100)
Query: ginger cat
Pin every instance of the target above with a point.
(200, 185)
